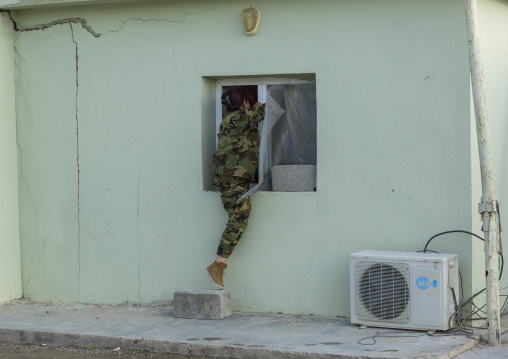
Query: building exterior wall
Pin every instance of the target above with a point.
(494, 40)
(10, 258)
(110, 130)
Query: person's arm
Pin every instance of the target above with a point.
(257, 113)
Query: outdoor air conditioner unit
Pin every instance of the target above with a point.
(403, 290)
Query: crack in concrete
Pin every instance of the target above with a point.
(17, 58)
(143, 20)
(20, 157)
(77, 154)
(29, 192)
(73, 20)
(88, 28)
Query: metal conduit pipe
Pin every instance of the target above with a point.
(488, 205)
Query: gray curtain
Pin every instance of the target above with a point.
(288, 132)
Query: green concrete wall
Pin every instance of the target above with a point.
(10, 259)
(111, 135)
(494, 39)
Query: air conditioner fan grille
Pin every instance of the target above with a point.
(383, 291)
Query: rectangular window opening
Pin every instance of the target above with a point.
(288, 149)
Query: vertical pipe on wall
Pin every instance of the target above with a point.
(487, 207)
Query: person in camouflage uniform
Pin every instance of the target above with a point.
(235, 166)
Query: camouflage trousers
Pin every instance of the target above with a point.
(230, 192)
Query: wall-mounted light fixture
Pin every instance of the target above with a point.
(250, 19)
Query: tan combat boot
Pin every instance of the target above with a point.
(215, 272)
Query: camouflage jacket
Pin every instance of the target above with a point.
(238, 145)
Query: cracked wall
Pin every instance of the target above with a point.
(10, 264)
(46, 135)
(105, 146)
(109, 134)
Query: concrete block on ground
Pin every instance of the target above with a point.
(294, 178)
(202, 304)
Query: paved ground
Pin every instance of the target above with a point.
(155, 329)
(483, 351)
(29, 351)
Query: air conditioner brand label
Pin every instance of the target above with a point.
(424, 283)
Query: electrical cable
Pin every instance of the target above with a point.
(462, 313)
(461, 289)
(466, 232)
(503, 310)
(454, 231)
(462, 331)
(390, 335)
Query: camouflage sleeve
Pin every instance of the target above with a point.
(257, 115)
